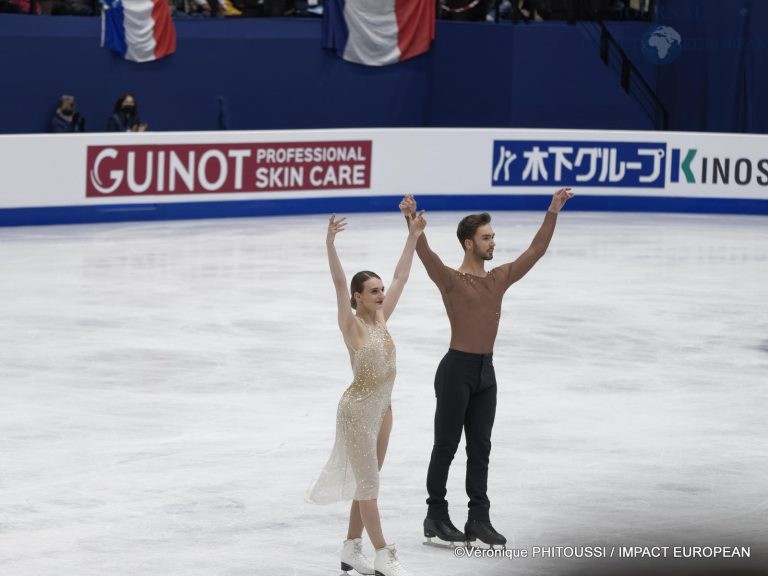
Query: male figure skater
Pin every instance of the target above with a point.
(465, 382)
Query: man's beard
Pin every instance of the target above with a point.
(483, 255)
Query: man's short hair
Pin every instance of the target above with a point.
(469, 225)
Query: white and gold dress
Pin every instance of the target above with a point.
(352, 471)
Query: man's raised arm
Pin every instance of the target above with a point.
(520, 267)
(438, 272)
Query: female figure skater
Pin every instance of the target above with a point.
(364, 415)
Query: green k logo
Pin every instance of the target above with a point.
(686, 166)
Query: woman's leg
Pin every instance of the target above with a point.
(365, 513)
(369, 509)
(383, 440)
(369, 512)
(355, 529)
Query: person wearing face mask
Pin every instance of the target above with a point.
(66, 119)
(125, 116)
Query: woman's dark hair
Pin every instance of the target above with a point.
(469, 225)
(357, 284)
(119, 104)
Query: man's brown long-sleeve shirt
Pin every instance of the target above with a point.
(473, 303)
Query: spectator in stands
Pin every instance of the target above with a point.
(228, 8)
(23, 6)
(6, 6)
(206, 8)
(72, 8)
(516, 10)
(66, 119)
(125, 116)
(198, 8)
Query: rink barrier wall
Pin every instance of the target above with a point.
(366, 204)
(89, 178)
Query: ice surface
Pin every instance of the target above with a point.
(168, 391)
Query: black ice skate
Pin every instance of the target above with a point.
(448, 536)
(483, 531)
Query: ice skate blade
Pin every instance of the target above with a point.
(437, 543)
(347, 570)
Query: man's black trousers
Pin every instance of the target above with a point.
(465, 389)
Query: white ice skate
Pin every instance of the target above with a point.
(387, 564)
(352, 557)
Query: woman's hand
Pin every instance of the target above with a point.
(334, 227)
(416, 223)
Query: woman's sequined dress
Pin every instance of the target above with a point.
(352, 471)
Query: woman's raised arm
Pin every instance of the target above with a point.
(345, 316)
(416, 225)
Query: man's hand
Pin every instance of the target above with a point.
(408, 205)
(559, 199)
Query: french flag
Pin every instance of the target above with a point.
(138, 30)
(378, 32)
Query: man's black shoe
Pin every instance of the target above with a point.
(483, 530)
(443, 530)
